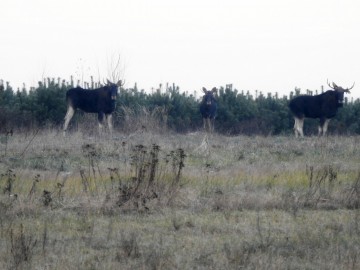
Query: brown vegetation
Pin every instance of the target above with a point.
(169, 201)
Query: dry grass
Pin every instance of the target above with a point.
(152, 201)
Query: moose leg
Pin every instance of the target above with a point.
(295, 127)
(298, 127)
(109, 122)
(69, 114)
(208, 125)
(301, 127)
(205, 123)
(211, 123)
(100, 121)
(323, 126)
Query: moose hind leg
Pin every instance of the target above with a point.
(69, 114)
(298, 127)
(295, 127)
(301, 127)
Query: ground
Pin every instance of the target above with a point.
(170, 201)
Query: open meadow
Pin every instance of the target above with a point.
(170, 201)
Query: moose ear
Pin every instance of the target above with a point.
(214, 90)
(119, 83)
(204, 90)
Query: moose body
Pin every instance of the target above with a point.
(101, 101)
(208, 108)
(323, 106)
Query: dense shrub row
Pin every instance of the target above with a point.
(239, 112)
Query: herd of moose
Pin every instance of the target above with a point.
(102, 101)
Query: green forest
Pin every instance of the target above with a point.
(239, 112)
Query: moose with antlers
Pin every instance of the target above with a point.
(101, 101)
(323, 106)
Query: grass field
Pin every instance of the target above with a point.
(170, 201)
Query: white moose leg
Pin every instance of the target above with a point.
(323, 127)
(69, 114)
(100, 122)
(301, 127)
(109, 123)
(298, 127)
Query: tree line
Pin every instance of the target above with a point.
(168, 108)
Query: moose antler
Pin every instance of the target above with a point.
(332, 87)
(120, 83)
(340, 89)
(348, 89)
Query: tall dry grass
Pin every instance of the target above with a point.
(166, 201)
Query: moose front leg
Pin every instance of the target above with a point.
(323, 127)
(109, 123)
(100, 122)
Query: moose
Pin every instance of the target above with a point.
(323, 106)
(101, 101)
(208, 109)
